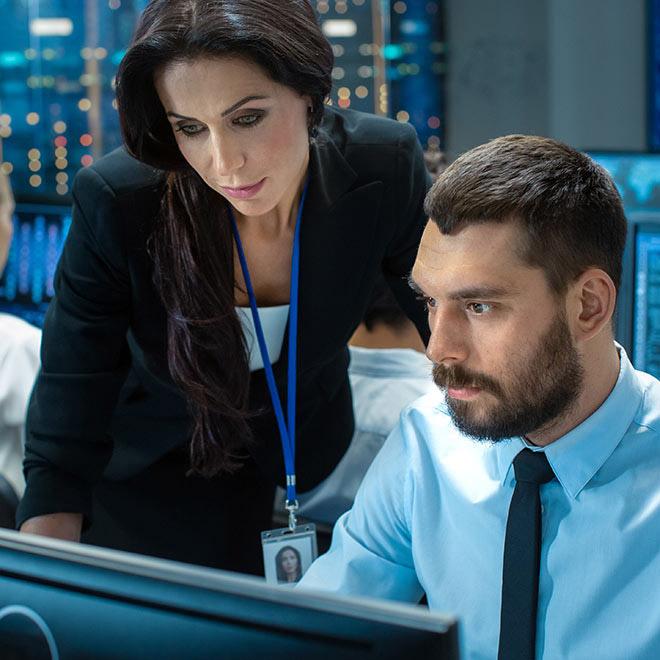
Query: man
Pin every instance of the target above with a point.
(519, 266)
(19, 362)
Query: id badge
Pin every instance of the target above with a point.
(288, 553)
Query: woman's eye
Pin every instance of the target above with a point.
(190, 129)
(248, 120)
(479, 308)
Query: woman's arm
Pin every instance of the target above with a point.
(65, 526)
(84, 363)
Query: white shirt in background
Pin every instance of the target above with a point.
(383, 382)
(19, 363)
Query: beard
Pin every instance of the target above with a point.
(529, 397)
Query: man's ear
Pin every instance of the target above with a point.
(591, 303)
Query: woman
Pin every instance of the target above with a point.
(151, 427)
(288, 564)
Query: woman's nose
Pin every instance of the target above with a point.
(227, 156)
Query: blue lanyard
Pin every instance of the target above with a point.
(287, 431)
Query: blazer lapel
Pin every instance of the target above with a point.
(339, 220)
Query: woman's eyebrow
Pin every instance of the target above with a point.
(243, 101)
(228, 111)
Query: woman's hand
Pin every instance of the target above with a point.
(65, 526)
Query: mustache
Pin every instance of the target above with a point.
(457, 377)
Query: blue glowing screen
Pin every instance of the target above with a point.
(646, 310)
(26, 286)
(637, 176)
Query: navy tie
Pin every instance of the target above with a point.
(522, 550)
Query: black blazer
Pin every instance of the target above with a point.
(104, 405)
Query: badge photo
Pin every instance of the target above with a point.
(288, 554)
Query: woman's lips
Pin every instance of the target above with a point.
(464, 393)
(244, 192)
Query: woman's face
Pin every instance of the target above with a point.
(245, 135)
(289, 562)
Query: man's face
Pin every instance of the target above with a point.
(500, 342)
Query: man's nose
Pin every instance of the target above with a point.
(449, 340)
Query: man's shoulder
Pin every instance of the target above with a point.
(648, 413)
(434, 448)
(428, 419)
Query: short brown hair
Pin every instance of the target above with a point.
(568, 205)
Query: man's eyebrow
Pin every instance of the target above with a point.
(414, 286)
(478, 292)
(482, 292)
(474, 292)
(228, 111)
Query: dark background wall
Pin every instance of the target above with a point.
(570, 69)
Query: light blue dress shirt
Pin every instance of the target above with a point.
(431, 515)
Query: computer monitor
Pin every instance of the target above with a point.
(99, 603)
(637, 176)
(645, 309)
(26, 286)
(637, 320)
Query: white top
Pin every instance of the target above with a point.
(273, 322)
(19, 363)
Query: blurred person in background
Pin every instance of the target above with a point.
(153, 425)
(19, 362)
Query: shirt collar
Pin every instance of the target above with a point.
(578, 455)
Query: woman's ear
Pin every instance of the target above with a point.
(592, 301)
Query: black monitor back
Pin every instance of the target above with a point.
(102, 604)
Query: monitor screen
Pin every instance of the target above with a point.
(637, 176)
(92, 602)
(646, 308)
(637, 321)
(26, 286)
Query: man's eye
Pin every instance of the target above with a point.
(479, 308)
(428, 301)
(190, 129)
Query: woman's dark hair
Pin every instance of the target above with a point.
(192, 244)
(568, 205)
(281, 575)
